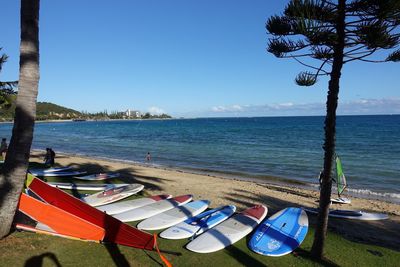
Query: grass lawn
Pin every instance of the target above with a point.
(29, 249)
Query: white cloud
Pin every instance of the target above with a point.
(234, 108)
(156, 110)
(354, 107)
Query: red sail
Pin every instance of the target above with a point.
(116, 231)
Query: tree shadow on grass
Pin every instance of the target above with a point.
(307, 255)
(383, 233)
(37, 261)
(239, 197)
(118, 258)
(244, 258)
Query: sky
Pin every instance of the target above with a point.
(185, 58)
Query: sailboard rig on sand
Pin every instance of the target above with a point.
(341, 184)
(58, 213)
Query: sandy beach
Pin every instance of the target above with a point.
(222, 191)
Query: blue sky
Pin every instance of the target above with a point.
(186, 58)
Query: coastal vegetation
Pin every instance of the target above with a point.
(49, 111)
(323, 36)
(7, 91)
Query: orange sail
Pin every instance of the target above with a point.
(59, 221)
(115, 230)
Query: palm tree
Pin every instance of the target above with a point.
(331, 33)
(6, 88)
(17, 160)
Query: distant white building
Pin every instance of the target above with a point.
(132, 113)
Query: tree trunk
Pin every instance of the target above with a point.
(17, 159)
(330, 133)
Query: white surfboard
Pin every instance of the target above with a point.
(174, 216)
(341, 200)
(152, 209)
(228, 232)
(46, 170)
(123, 206)
(199, 224)
(112, 195)
(57, 173)
(86, 187)
(98, 176)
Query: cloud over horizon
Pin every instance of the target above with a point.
(355, 107)
(156, 111)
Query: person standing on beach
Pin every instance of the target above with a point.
(3, 148)
(148, 157)
(49, 157)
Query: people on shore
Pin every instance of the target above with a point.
(49, 157)
(148, 157)
(3, 148)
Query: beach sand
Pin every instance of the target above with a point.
(223, 191)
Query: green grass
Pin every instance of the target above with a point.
(29, 249)
(23, 248)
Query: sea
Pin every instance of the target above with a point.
(278, 150)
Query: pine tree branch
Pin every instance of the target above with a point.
(312, 67)
(362, 58)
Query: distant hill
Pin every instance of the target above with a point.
(50, 111)
(44, 111)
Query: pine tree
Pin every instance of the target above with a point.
(323, 36)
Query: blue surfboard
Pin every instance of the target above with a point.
(197, 225)
(282, 233)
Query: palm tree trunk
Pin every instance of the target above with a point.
(330, 134)
(17, 160)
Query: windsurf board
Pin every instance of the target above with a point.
(86, 187)
(112, 195)
(56, 174)
(98, 176)
(229, 231)
(46, 170)
(123, 206)
(341, 200)
(152, 209)
(198, 224)
(352, 214)
(174, 216)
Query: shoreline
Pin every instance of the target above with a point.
(265, 179)
(132, 169)
(221, 191)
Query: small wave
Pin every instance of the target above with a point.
(366, 193)
(376, 194)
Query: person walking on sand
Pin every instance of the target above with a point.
(148, 157)
(3, 148)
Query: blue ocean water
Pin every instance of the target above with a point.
(251, 148)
